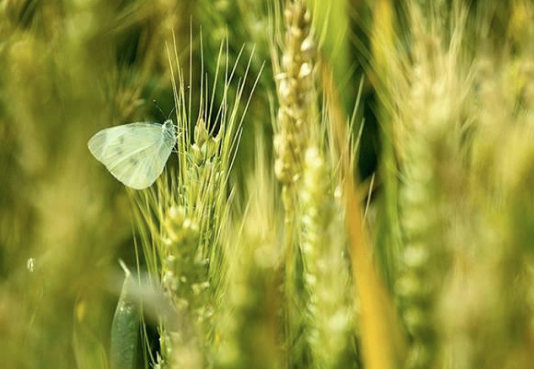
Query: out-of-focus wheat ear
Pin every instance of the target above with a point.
(423, 257)
(431, 119)
(329, 315)
(249, 328)
(498, 261)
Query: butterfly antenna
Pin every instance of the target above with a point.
(172, 111)
(157, 106)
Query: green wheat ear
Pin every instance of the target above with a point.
(294, 68)
(183, 216)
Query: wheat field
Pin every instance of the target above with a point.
(352, 185)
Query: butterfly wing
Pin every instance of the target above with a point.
(134, 153)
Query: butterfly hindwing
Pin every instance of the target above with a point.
(134, 153)
(140, 169)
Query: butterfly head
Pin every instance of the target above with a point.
(169, 131)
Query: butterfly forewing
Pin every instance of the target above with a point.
(134, 153)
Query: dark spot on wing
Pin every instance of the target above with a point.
(118, 150)
(121, 139)
(133, 161)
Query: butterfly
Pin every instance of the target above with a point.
(135, 153)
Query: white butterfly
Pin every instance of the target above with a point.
(135, 153)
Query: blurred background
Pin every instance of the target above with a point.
(446, 92)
